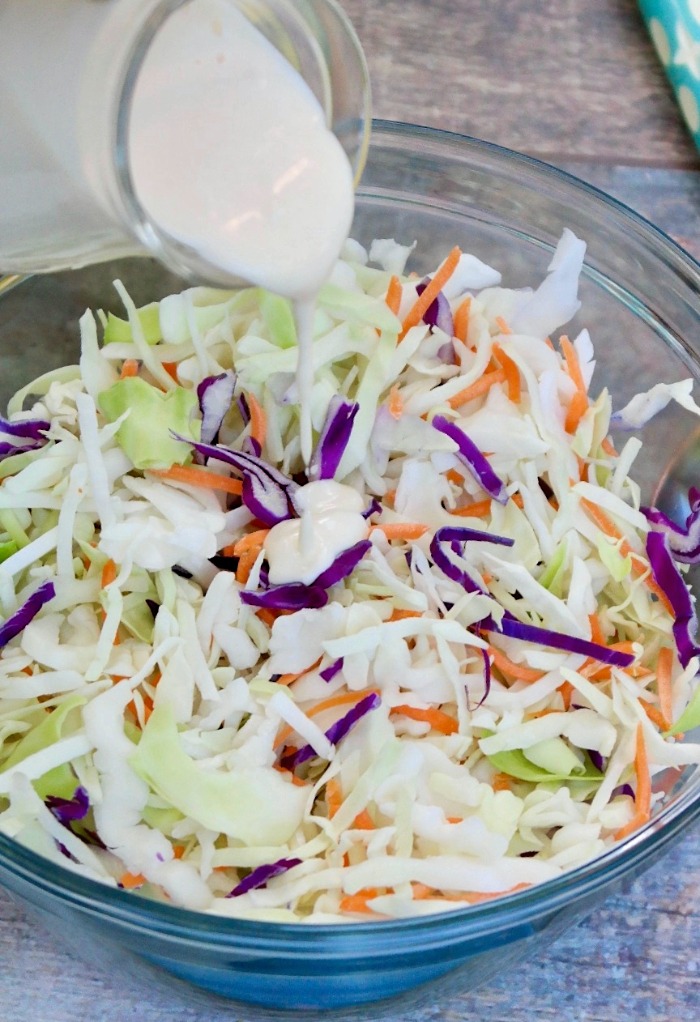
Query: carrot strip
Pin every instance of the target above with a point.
(363, 821)
(460, 322)
(358, 902)
(502, 325)
(401, 615)
(131, 880)
(334, 796)
(502, 782)
(195, 476)
(245, 564)
(395, 403)
(171, 370)
(326, 704)
(289, 679)
(596, 629)
(655, 715)
(480, 509)
(130, 367)
(401, 530)
(566, 690)
(252, 540)
(511, 370)
(664, 666)
(393, 295)
(109, 573)
(642, 796)
(258, 419)
(578, 407)
(640, 567)
(477, 389)
(425, 300)
(420, 891)
(438, 720)
(573, 366)
(454, 476)
(507, 666)
(608, 447)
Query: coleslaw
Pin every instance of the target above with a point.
(442, 661)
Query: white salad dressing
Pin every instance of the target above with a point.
(330, 521)
(231, 155)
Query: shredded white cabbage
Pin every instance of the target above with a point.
(160, 732)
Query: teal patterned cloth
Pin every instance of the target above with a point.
(674, 26)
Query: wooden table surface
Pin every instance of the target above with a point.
(576, 83)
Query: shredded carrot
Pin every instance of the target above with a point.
(640, 567)
(326, 704)
(420, 891)
(395, 403)
(461, 320)
(195, 476)
(642, 798)
(596, 629)
(402, 530)
(334, 796)
(393, 295)
(400, 615)
(655, 715)
(477, 389)
(363, 821)
(171, 369)
(573, 366)
(267, 616)
(438, 720)
(507, 666)
(245, 564)
(511, 370)
(131, 880)
(258, 419)
(289, 679)
(502, 326)
(109, 573)
(480, 509)
(502, 782)
(425, 300)
(608, 447)
(358, 902)
(575, 412)
(455, 819)
(454, 476)
(252, 540)
(130, 367)
(178, 851)
(664, 666)
(289, 774)
(566, 690)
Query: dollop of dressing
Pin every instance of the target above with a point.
(330, 521)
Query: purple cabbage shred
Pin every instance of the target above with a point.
(66, 810)
(336, 732)
(18, 621)
(294, 596)
(334, 438)
(438, 314)
(472, 458)
(669, 579)
(215, 394)
(260, 876)
(329, 673)
(683, 541)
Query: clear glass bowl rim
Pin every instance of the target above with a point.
(389, 937)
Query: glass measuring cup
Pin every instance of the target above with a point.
(68, 70)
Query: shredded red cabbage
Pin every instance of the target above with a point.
(472, 458)
(7, 450)
(18, 621)
(215, 395)
(515, 629)
(32, 429)
(66, 810)
(335, 732)
(267, 493)
(438, 314)
(374, 508)
(669, 579)
(260, 876)
(487, 678)
(334, 438)
(343, 565)
(456, 537)
(683, 541)
(328, 673)
(294, 596)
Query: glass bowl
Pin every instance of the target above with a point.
(640, 301)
